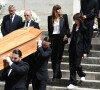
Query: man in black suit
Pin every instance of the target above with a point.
(11, 21)
(15, 75)
(40, 65)
(89, 9)
(27, 23)
(28, 20)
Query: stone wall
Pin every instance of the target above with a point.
(43, 8)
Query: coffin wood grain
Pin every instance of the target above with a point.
(24, 39)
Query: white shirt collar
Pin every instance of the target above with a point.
(28, 23)
(13, 16)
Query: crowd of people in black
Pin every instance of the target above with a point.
(34, 68)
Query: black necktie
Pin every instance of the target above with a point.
(27, 24)
(11, 18)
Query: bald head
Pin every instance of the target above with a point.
(27, 15)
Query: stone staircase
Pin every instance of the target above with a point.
(91, 66)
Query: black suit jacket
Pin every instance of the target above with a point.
(99, 4)
(34, 24)
(40, 63)
(17, 78)
(64, 26)
(81, 41)
(89, 9)
(8, 27)
(29, 58)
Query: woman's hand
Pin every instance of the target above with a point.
(84, 17)
(65, 38)
(84, 56)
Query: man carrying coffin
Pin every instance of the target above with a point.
(15, 75)
(40, 65)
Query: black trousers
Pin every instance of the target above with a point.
(75, 66)
(99, 25)
(38, 84)
(29, 59)
(57, 46)
(89, 34)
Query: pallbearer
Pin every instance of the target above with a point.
(15, 75)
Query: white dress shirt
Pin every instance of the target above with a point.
(13, 16)
(9, 72)
(28, 23)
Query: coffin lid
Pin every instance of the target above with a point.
(17, 38)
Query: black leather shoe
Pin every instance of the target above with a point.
(59, 76)
(54, 79)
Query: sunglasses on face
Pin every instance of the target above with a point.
(26, 15)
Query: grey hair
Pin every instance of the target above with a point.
(11, 6)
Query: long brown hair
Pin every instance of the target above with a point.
(54, 12)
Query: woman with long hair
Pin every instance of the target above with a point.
(77, 50)
(58, 31)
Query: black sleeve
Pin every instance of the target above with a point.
(3, 28)
(3, 74)
(85, 41)
(67, 30)
(49, 27)
(43, 53)
(94, 11)
(19, 23)
(20, 69)
(37, 26)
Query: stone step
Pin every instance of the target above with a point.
(86, 67)
(59, 87)
(49, 87)
(94, 47)
(86, 84)
(89, 75)
(88, 60)
(93, 53)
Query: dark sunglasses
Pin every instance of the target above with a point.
(26, 15)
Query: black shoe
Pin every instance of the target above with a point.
(54, 79)
(59, 75)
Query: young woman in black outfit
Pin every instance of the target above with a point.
(77, 50)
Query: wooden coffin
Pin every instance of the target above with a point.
(24, 39)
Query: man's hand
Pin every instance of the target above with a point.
(9, 61)
(39, 43)
(65, 38)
